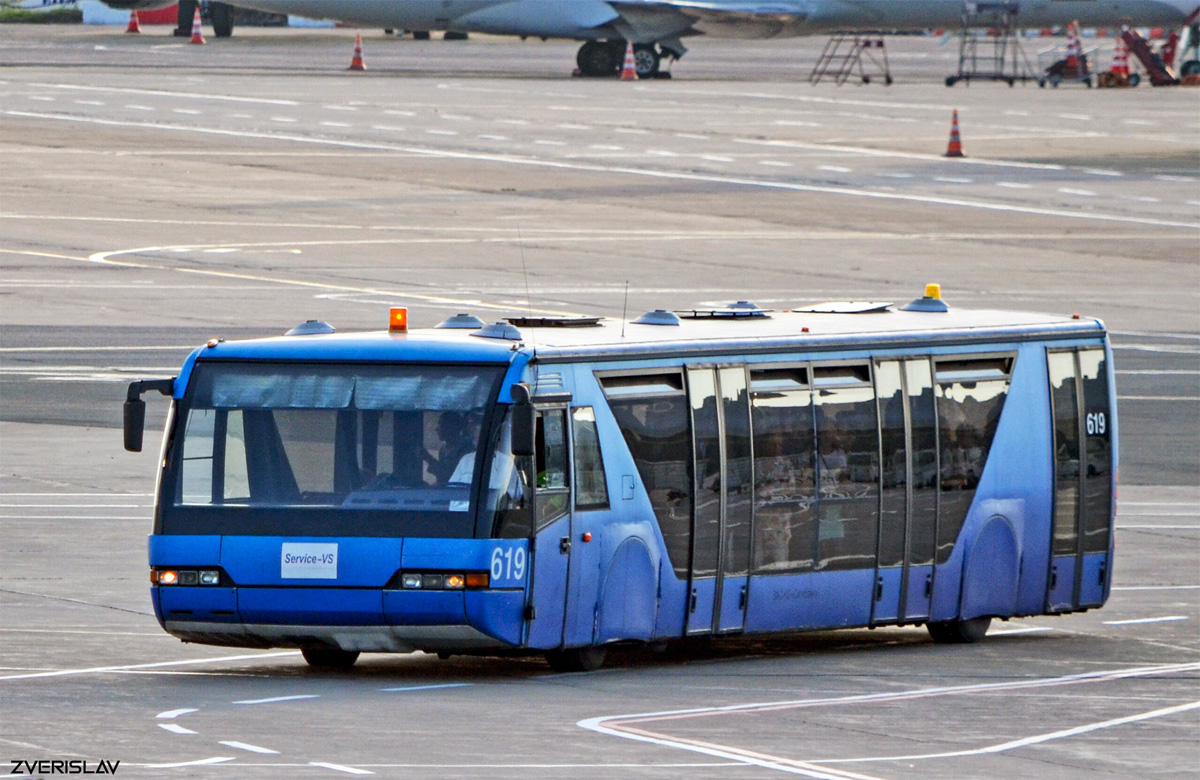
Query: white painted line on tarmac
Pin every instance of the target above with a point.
(176, 713)
(630, 726)
(175, 728)
(165, 93)
(621, 170)
(1160, 372)
(834, 168)
(160, 665)
(895, 175)
(494, 137)
(953, 179)
(426, 687)
(715, 158)
(188, 111)
(692, 136)
(42, 98)
(1011, 631)
(1139, 198)
(1156, 587)
(134, 107)
(1027, 741)
(1188, 179)
(548, 142)
(398, 112)
(1014, 185)
(90, 102)
(631, 131)
(252, 748)
(275, 699)
(388, 128)
(285, 119)
(1102, 172)
(775, 163)
(200, 762)
(1074, 191)
(337, 124)
(1140, 621)
(433, 131)
(339, 108)
(1123, 527)
(340, 768)
(1158, 397)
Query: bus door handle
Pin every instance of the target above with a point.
(928, 585)
(742, 599)
(564, 545)
(879, 589)
(693, 607)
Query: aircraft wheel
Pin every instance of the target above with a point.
(1190, 68)
(221, 15)
(599, 58)
(329, 658)
(420, 35)
(959, 632)
(645, 60)
(1136, 78)
(576, 659)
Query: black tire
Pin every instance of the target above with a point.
(183, 18)
(1135, 79)
(328, 658)
(959, 632)
(451, 35)
(600, 58)
(645, 60)
(576, 659)
(1190, 68)
(221, 15)
(420, 35)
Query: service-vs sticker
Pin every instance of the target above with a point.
(308, 561)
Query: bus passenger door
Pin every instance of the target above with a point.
(908, 504)
(552, 530)
(1083, 479)
(718, 581)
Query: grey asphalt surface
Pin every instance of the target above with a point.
(154, 195)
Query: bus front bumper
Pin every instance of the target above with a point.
(377, 639)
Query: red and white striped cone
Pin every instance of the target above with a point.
(1073, 46)
(629, 69)
(1120, 62)
(133, 27)
(197, 33)
(955, 147)
(356, 63)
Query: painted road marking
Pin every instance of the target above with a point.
(426, 687)
(336, 124)
(175, 728)
(176, 713)
(434, 131)
(1158, 397)
(630, 726)
(1008, 632)
(1167, 619)
(641, 172)
(1157, 587)
(953, 179)
(189, 111)
(1014, 185)
(160, 665)
(275, 699)
(283, 119)
(1074, 191)
(340, 768)
(834, 168)
(165, 93)
(494, 137)
(201, 762)
(1027, 741)
(251, 748)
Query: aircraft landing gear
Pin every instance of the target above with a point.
(605, 58)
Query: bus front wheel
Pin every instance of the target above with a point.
(576, 659)
(959, 632)
(329, 658)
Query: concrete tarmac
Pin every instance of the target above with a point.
(154, 195)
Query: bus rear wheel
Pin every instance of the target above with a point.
(329, 658)
(576, 659)
(959, 632)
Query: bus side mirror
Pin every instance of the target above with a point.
(522, 426)
(135, 424)
(135, 409)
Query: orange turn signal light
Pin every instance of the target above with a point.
(477, 579)
(398, 319)
(168, 577)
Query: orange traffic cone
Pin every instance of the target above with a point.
(629, 70)
(955, 147)
(1120, 61)
(133, 27)
(356, 63)
(197, 33)
(1073, 46)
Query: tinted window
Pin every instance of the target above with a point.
(656, 430)
(894, 476)
(1097, 477)
(1066, 451)
(968, 415)
(707, 529)
(923, 422)
(738, 487)
(847, 475)
(784, 477)
(553, 492)
(591, 489)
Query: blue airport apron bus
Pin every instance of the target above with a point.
(554, 485)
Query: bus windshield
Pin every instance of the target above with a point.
(328, 449)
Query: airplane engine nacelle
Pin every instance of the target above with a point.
(547, 18)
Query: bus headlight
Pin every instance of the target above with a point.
(410, 581)
(209, 577)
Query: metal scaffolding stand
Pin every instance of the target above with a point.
(844, 54)
(989, 47)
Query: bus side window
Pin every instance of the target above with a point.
(591, 487)
(553, 493)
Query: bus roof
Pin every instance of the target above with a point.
(699, 333)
